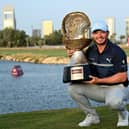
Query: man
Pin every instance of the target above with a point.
(109, 81)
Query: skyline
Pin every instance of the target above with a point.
(30, 14)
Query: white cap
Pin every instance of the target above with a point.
(100, 25)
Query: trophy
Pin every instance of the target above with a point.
(76, 35)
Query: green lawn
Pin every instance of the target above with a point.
(35, 51)
(58, 52)
(57, 119)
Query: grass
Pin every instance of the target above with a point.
(57, 119)
(56, 52)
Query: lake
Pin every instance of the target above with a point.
(40, 88)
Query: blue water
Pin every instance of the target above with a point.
(39, 88)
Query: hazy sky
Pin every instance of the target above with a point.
(30, 13)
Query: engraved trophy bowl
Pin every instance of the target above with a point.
(76, 30)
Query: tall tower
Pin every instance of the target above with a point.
(111, 25)
(9, 20)
(47, 28)
(127, 27)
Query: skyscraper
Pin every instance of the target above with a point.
(111, 25)
(127, 27)
(9, 20)
(47, 28)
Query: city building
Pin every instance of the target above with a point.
(36, 33)
(111, 25)
(127, 28)
(9, 20)
(47, 28)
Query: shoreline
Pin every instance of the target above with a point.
(35, 59)
(38, 59)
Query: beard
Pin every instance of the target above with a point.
(102, 43)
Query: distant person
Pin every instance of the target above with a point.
(109, 79)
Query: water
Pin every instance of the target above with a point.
(39, 88)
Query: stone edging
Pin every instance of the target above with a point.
(36, 59)
(40, 60)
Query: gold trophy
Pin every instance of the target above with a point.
(76, 35)
(76, 30)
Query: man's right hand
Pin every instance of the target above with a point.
(70, 51)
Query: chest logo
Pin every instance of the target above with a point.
(123, 61)
(108, 60)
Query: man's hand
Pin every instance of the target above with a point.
(116, 78)
(94, 80)
(70, 51)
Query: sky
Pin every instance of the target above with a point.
(30, 13)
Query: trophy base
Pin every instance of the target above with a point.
(76, 73)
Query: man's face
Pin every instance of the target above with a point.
(100, 37)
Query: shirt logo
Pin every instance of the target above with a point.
(123, 61)
(108, 60)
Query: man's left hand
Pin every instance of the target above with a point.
(93, 80)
